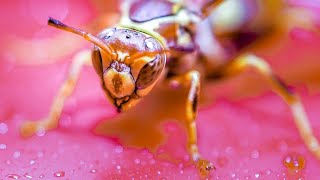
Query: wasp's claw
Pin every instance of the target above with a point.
(205, 167)
(28, 129)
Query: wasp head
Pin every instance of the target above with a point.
(134, 67)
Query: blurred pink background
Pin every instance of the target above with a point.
(247, 132)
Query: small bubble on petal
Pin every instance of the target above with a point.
(27, 176)
(257, 175)
(41, 176)
(137, 161)
(118, 149)
(41, 132)
(59, 174)
(32, 162)
(40, 154)
(3, 128)
(3, 146)
(255, 154)
(13, 176)
(16, 154)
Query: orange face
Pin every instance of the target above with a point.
(132, 70)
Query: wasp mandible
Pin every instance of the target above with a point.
(151, 41)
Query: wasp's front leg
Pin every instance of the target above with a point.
(192, 80)
(301, 120)
(51, 122)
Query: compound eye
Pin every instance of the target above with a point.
(150, 72)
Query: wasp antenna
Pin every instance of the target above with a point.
(94, 39)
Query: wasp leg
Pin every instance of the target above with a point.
(51, 122)
(192, 79)
(292, 99)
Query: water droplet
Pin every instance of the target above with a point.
(93, 171)
(41, 131)
(118, 149)
(233, 175)
(256, 175)
(40, 154)
(3, 146)
(158, 172)
(41, 176)
(27, 176)
(294, 161)
(13, 176)
(268, 172)
(3, 128)
(118, 167)
(59, 174)
(16, 154)
(32, 162)
(255, 154)
(137, 161)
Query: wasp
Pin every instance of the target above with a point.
(158, 40)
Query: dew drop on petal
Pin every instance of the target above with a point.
(294, 161)
(257, 175)
(16, 154)
(40, 154)
(233, 175)
(93, 171)
(13, 176)
(32, 162)
(41, 131)
(137, 161)
(3, 128)
(41, 176)
(118, 149)
(59, 174)
(3, 146)
(118, 167)
(27, 176)
(255, 154)
(268, 172)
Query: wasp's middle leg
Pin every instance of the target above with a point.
(300, 118)
(51, 122)
(192, 80)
